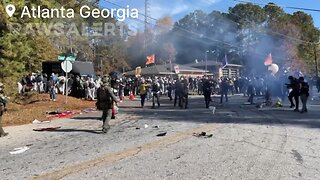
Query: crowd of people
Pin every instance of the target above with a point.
(177, 89)
(109, 90)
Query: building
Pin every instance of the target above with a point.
(165, 70)
(214, 67)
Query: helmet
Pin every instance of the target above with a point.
(105, 79)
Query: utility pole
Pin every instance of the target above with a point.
(315, 59)
(146, 15)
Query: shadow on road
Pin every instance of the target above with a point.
(77, 130)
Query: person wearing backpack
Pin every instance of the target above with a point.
(3, 103)
(105, 101)
(155, 93)
(304, 94)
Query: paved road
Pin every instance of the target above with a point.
(247, 143)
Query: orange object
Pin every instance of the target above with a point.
(268, 61)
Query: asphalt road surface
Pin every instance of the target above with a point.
(246, 143)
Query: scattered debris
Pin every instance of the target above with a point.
(146, 126)
(162, 134)
(36, 121)
(19, 150)
(247, 103)
(137, 128)
(53, 112)
(156, 127)
(203, 134)
(89, 110)
(47, 128)
(178, 157)
(62, 115)
(213, 108)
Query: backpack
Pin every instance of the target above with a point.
(104, 99)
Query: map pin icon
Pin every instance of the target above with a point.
(10, 9)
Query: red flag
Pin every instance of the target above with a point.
(151, 59)
(268, 61)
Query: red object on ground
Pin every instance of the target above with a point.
(47, 128)
(131, 97)
(123, 97)
(63, 115)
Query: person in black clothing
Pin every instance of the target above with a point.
(170, 88)
(155, 88)
(294, 85)
(178, 93)
(224, 88)
(304, 94)
(185, 94)
(207, 89)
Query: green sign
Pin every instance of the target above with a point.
(69, 58)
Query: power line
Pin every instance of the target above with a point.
(287, 7)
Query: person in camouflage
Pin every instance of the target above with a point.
(3, 103)
(105, 100)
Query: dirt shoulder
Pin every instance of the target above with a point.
(18, 114)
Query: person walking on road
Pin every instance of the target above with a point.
(155, 93)
(224, 90)
(105, 100)
(304, 94)
(206, 89)
(143, 88)
(3, 104)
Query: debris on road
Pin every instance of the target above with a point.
(203, 134)
(36, 121)
(146, 126)
(47, 128)
(162, 134)
(137, 128)
(61, 115)
(156, 127)
(213, 108)
(19, 150)
(89, 110)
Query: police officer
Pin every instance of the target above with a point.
(224, 88)
(207, 89)
(185, 93)
(155, 88)
(178, 93)
(3, 103)
(304, 94)
(294, 85)
(105, 101)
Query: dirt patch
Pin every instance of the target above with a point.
(19, 114)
